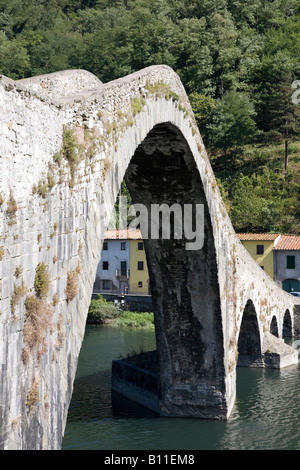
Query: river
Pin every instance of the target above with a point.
(266, 414)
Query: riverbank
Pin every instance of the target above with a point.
(103, 312)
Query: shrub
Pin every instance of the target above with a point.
(33, 395)
(42, 280)
(136, 105)
(72, 285)
(38, 319)
(19, 271)
(42, 188)
(12, 208)
(18, 292)
(101, 311)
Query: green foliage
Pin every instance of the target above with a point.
(204, 110)
(234, 122)
(137, 106)
(265, 201)
(236, 58)
(135, 320)
(42, 280)
(101, 311)
(70, 152)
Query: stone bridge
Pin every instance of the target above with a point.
(67, 142)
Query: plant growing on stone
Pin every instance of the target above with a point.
(137, 105)
(42, 188)
(37, 321)
(72, 285)
(33, 395)
(18, 292)
(18, 271)
(70, 151)
(161, 90)
(12, 208)
(42, 280)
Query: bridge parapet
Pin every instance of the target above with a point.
(63, 157)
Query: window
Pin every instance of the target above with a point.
(140, 265)
(140, 245)
(105, 265)
(140, 284)
(291, 285)
(290, 262)
(105, 246)
(260, 249)
(106, 284)
(123, 246)
(123, 269)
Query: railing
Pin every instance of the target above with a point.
(123, 273)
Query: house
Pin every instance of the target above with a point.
(123, 267)
(278, 254)
(287, 263)
(139, 276)
(261, 246)
(113, 270)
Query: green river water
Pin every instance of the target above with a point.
(266, 414)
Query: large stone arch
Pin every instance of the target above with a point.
(66, 144)
(187, 315)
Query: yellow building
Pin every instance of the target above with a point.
(261, 246)
(139, 275)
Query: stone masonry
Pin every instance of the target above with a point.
(67, 142)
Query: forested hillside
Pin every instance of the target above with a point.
(236, 58)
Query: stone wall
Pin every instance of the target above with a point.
(66, 143)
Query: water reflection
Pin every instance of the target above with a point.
(266, 414)
(267, 410)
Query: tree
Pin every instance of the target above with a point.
(281, 114)
(204, 109)
(234, 124)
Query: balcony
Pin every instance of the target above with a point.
(123, 273)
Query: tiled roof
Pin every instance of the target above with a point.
(283, 242)
(258, 236)
(288, 242)
(123, 234)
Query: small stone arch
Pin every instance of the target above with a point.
(249, 344)
(274, 327)
(287, 328)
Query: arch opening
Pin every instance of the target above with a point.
(274, 327)
(287, 329)
(184, 283)
(249, 344)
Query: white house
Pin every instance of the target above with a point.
(287, 263)
(113, 270)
